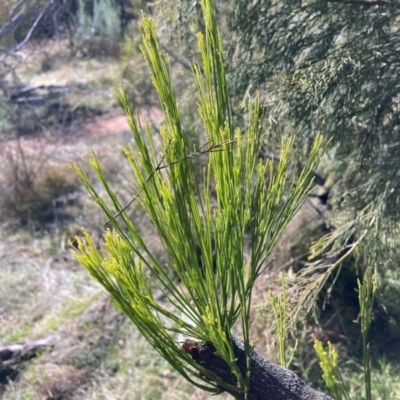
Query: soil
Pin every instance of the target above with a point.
(97, 129)
(110, 125)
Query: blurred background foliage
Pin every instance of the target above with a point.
(320, 65)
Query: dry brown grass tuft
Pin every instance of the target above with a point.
(36, 196)
(59, 382)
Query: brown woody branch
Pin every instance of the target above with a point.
(268, 380)
(369, 3)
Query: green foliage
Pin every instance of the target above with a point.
(280, 308)
(328, 66)
(329, 359)
(366, 296)
(330, 368)
(240, 195)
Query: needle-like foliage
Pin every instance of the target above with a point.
(327, 66)
(240, 197)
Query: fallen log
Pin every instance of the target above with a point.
(11, 356)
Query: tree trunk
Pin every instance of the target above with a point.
(269, 381)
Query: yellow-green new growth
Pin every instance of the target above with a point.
(330, 368)
(250, 199)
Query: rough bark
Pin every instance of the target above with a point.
(269, 381)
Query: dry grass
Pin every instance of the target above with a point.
(98, 354)
(36, 197)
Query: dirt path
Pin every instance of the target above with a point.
(81, 137)
(110, 125)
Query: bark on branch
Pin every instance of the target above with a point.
(369, 3)
(268, 380)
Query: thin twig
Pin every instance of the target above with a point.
(33, 27)
(140, 191)
(212, 148)
(176, 59)
(19, 3)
